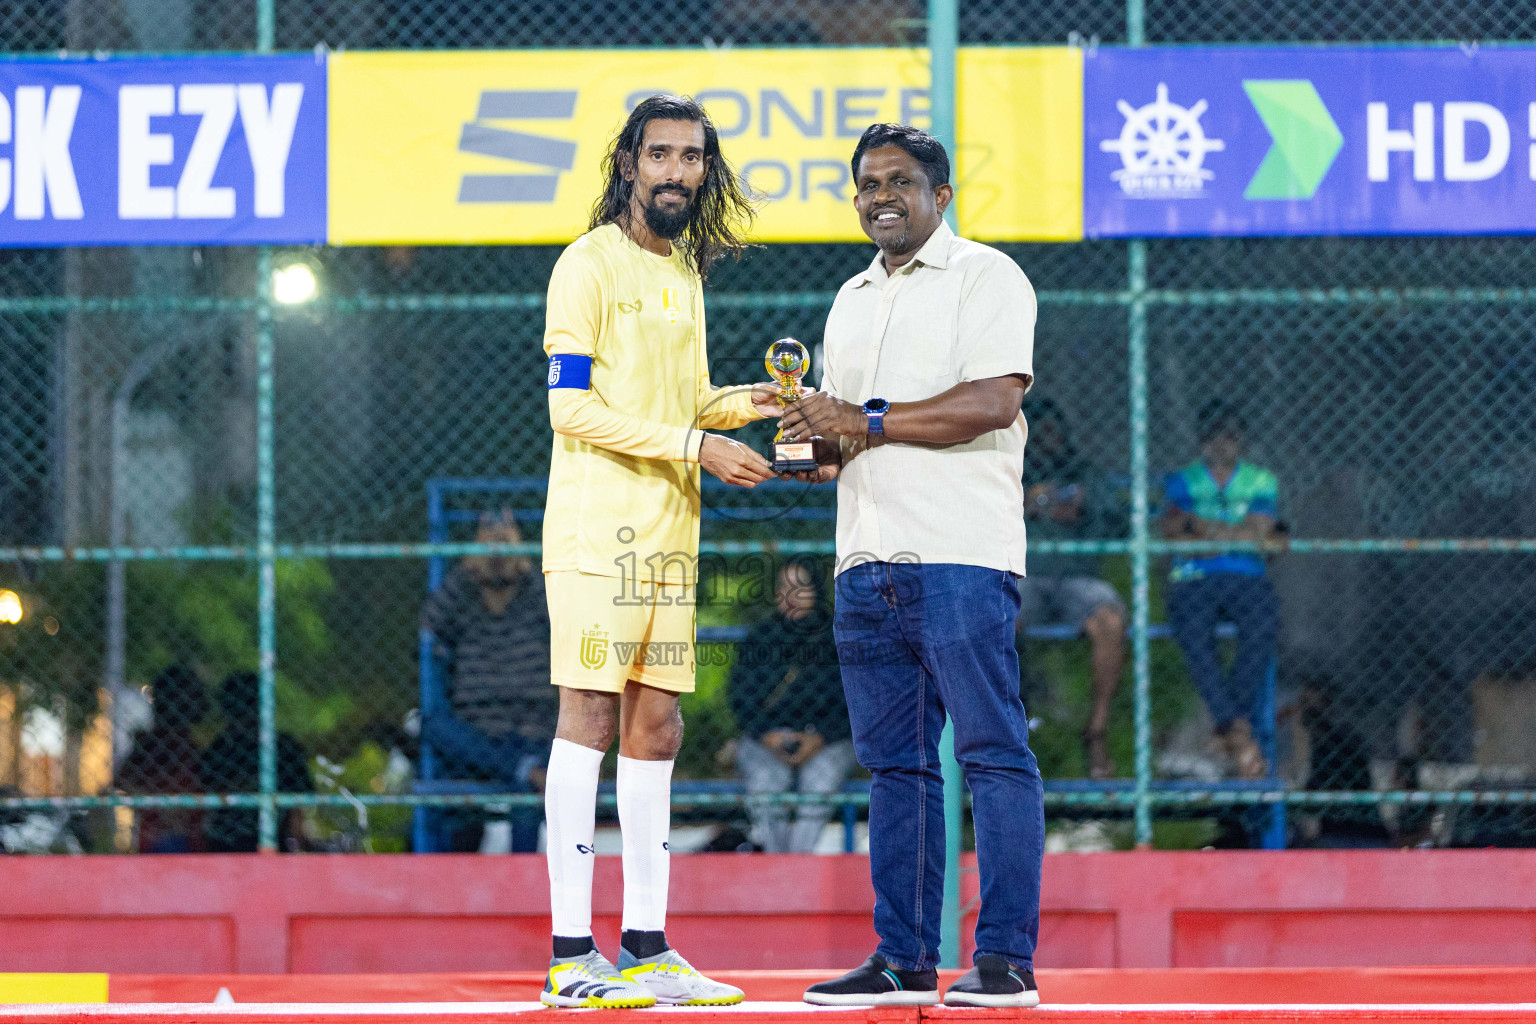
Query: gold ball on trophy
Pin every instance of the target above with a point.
(787, 360)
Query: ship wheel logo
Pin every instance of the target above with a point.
(1162, 149)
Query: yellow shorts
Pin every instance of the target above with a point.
(601, 637)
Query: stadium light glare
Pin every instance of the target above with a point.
(10, 607)
(294, 284)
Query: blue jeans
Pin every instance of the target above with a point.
(1194, 609)
(464, 750)
(915, 642)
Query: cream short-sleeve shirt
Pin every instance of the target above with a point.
(958, 311)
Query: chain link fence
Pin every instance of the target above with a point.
(1383, 651)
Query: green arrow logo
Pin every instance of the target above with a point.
(1306, 139)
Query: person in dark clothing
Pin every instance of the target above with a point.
(163, 762)
(232, 764)
(1066, 498)
(1340, 760)
(490, 619)
(787, 695)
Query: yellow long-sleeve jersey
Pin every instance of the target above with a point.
(629, 398)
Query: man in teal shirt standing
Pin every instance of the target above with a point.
(1221, 498)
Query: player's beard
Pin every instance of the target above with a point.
(666, 223)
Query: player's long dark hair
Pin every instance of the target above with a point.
(724, 209)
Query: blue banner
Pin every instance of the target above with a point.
(177, 151)
(1314, 141)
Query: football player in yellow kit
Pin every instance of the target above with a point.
(631, 403)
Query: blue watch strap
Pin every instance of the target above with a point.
(874, 414)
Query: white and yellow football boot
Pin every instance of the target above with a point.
(591, 981)
(674, 982)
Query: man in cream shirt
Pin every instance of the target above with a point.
(928, 357)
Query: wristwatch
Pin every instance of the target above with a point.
(874, 411)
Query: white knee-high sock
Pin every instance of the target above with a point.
(570, 814)
(645, 818)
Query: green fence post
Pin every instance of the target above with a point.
(943, 41)
(1141, 653)
(266, 25)
(266, 538)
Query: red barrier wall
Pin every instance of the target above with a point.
(385, 914)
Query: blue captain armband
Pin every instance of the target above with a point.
(569, 370)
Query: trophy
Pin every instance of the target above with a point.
(787, 362)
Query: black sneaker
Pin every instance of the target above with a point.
(993, 982)
(877, 984)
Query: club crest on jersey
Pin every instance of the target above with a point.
(669, 304)
(594, 648)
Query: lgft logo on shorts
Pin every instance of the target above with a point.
(594, 648)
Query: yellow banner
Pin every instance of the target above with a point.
(485, 147)
(34, 989)
(1019, 125)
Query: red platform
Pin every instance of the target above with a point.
(764, 1013)
(1326, 996)
(1283, 985)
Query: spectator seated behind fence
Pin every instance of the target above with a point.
(787, 695)
(232, 764)
(164, 760)
(1338, 757)
(491, 622)
(1219, 497)
(1067, 499)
